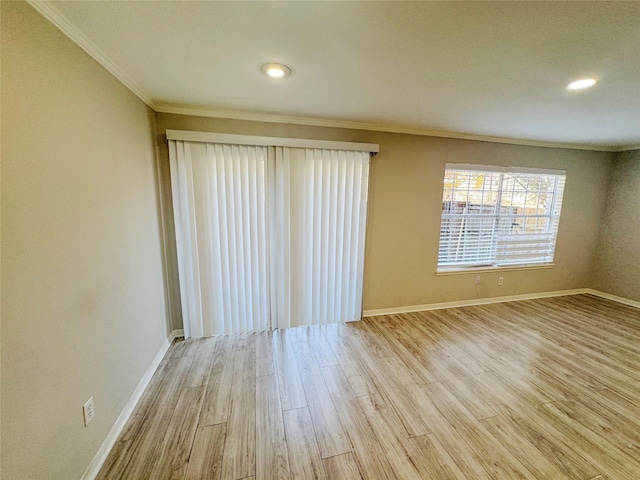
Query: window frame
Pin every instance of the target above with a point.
(495, 257)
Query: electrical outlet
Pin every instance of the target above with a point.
(477, 279)
(501, 281)
(89, 411)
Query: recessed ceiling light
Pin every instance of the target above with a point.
(275, 70)
(577, 85)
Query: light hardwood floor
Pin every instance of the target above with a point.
(541, 389)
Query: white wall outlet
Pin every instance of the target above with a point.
(477, 279)
(89, 411)
(501, 281)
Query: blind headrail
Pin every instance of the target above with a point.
(465, 167)
(229, 139)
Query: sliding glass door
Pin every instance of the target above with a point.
(319, 207)
(220, 215)
(268, 237)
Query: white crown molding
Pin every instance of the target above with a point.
(626, 149)
(162, 107)
(48, 11)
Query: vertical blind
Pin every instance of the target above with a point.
(220, 217)
(319, 200)
(268, 237)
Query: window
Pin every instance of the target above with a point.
(494, 216)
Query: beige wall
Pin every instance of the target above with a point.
(83, 309)
(83, 305)
(617, 269)
(405, 203)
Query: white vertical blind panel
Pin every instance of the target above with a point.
(221, 233)
(318, 249)
(363, 172)
(348, 232)
(180, 175)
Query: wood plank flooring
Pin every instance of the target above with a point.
(540, 389)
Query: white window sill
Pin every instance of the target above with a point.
(492, 268)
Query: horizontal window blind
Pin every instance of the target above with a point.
(498, 216)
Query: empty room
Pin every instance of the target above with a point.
(320, 240)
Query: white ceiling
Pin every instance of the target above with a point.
(488, 69)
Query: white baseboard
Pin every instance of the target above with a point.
(177, 333)
(96, 464)
(487, 301)
(473, 301)
(615, 298)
